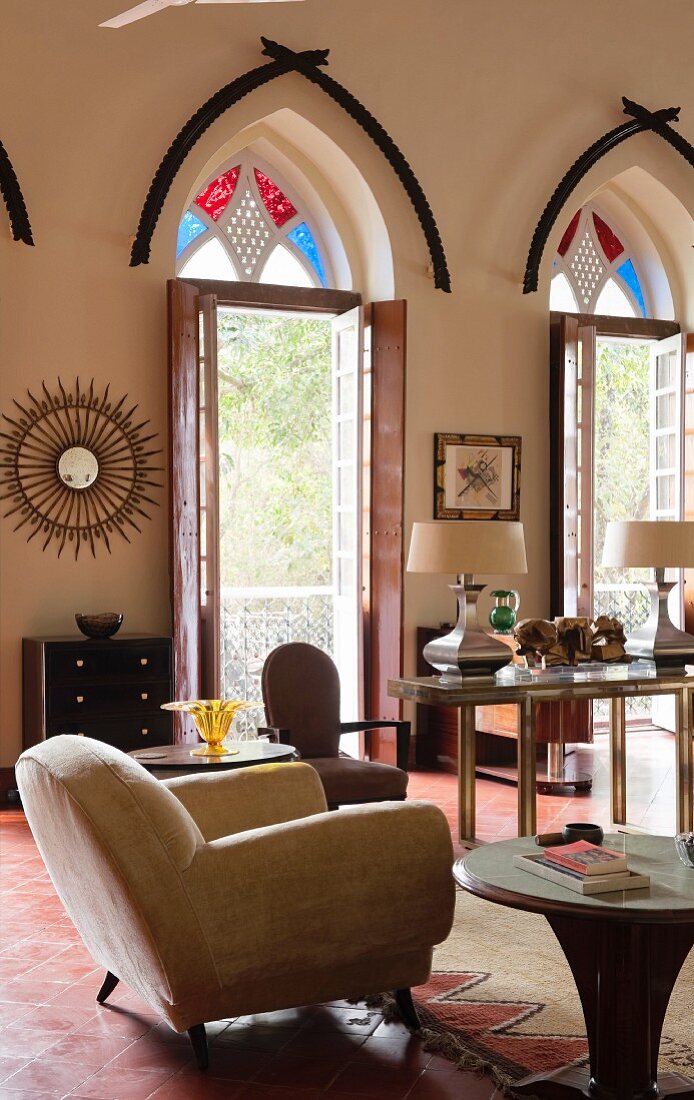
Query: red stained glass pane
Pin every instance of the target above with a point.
(277, 204)
(569, 233)
(213, 200)
(611, 244)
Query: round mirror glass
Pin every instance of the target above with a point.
(77, 468)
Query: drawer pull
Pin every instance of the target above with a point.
(79, 698)
(79, 662)
(144, 695)
(144, 661)
(144, 732)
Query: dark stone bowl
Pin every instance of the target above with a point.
(104, 625)
(582, 830)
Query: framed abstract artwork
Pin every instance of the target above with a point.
(476, 476)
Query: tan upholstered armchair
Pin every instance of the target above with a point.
(301, 696)
(227, 894)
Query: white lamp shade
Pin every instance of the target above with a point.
(472, 546)
(658, 544)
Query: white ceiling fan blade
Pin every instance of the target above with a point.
(148, 7)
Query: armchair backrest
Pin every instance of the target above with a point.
(116, 843)
(301, 693)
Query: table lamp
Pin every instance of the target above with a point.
(465, 548)
(657, 544)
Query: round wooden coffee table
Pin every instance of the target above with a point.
(177, 758)
(625, 950)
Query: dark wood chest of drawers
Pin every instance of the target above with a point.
(110, 689)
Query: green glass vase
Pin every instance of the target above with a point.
(502, 616)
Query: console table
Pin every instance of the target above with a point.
(526, 688)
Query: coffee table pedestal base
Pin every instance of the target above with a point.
(573, 1083)
(624, 973)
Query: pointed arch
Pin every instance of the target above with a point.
(14, 200)
(641, 120)
(307, 64)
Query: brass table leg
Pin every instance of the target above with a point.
(466, 772)
(527, 805)
(684, 767)
(618, 761)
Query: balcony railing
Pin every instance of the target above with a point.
(630, 603)
(256, 620)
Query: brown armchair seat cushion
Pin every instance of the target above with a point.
(346, 780)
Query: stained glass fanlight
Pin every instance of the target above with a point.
(246, 219)
(189, 229)
(277, 204)
(593, 266)
(215, 198)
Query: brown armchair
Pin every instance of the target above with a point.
(301, 695)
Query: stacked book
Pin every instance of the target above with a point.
(584, 868)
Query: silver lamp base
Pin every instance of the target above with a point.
(659, 640)
(467, 651)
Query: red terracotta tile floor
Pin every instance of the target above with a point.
(55, 1041)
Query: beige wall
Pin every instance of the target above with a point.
(490, 103)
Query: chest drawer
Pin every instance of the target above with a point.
(123, 733)
(78, 663)
(106, 699)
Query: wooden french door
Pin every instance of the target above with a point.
(573, 339)
(378, 572)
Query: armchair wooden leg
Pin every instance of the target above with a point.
(110, 983)
(403, 999)
(198, 1040)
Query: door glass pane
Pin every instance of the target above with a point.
(665, 370)
(665, 410)
(665, 493)
(665, 451)
(345, 441)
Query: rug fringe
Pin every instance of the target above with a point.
(440, 1041)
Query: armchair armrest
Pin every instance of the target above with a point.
(402, 736)
(278, 735)
(250, 798)
(345, 885)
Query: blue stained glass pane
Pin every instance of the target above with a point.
(626, 271)
(302, 237)
(190, 228)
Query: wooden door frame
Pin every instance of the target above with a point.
(385, 418)
(626, 327)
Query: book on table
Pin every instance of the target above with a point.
(538, 864)
(588, 859)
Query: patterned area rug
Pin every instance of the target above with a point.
(502, 999)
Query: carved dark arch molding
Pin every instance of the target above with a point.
(307, 64)
(14, 200)
(641, 119)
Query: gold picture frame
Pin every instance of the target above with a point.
(476, 476)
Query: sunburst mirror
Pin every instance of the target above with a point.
(76, 467)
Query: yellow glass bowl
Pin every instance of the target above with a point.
(212, 718)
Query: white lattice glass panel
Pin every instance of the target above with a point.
(613, 302)
(249, 232)
(283, 269)
(209, 262)
(561, 296)
(587, 268)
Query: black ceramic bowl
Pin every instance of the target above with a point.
(582, 830)
(103, 625)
